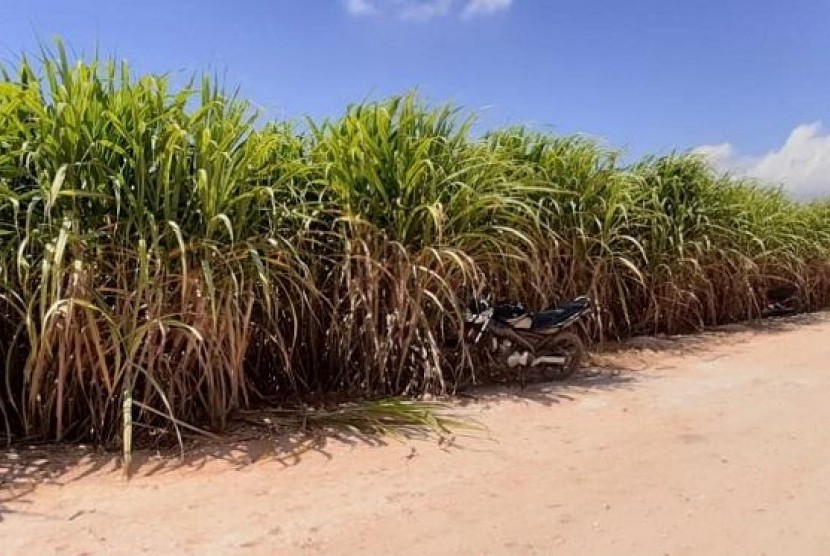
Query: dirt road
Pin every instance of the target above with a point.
(721, 449)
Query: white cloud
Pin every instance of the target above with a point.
(360, 7)
(801, 164)
(481, 7)
(424, 10)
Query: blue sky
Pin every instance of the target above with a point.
(746, 80)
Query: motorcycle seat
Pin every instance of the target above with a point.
(562, 314)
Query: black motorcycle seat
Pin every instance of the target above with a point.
(563, 313)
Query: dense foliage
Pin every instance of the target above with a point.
(166, 255)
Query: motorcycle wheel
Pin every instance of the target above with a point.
(570, 346)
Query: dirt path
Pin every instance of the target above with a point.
(722, 450)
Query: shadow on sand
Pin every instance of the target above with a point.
(711, 337)
(24, 467)
(549, 393)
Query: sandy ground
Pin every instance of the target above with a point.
(716, 444)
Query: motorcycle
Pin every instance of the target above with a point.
(781, 301)
(516, 339)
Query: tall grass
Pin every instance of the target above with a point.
(166, 258)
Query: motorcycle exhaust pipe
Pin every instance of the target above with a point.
(524, 359)
(550, 360)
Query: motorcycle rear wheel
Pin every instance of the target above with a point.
(568, 345)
